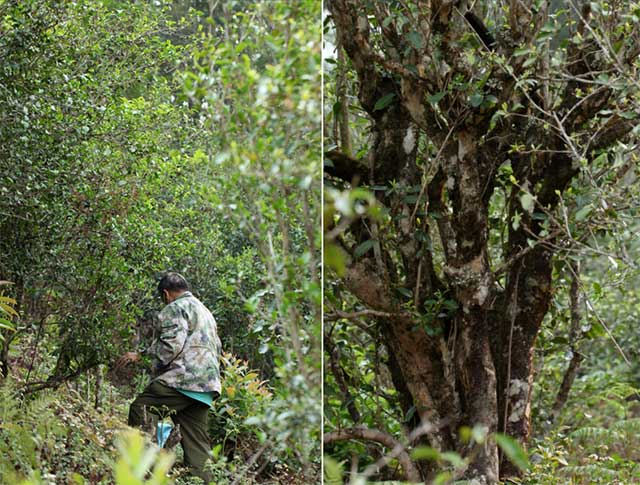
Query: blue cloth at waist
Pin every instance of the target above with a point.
(203, 397)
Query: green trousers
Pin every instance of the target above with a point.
(190, 414)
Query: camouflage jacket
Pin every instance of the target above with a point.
(186, 353)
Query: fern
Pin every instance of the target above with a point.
(628, 426)
(620, 390)
(28, 426)
(596, 434)
(595, 472)
(53, 434)
(7, 312)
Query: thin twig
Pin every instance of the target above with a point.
(251, 461)
(435, 160)
(604, 325)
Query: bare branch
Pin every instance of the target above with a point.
(398, 449)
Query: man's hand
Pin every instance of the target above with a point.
(127, 359)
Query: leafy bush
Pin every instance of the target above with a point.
(243, 396)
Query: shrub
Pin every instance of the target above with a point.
(243, 395)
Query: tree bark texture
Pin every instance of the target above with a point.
(477, 368)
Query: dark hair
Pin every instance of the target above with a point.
(172, 282)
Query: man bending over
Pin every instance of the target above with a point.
(186, 369)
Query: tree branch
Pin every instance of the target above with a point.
(574, 333)
(362, 433)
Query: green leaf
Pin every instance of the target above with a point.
(363, 248)
(415, 39)
(442, 478)
(433, 99)
(522, 51)
(77, 479)
(543, 37)
(513, 450)
(527, 202)
(496, 116)
(384, 101)
(515, 223)
(216, 450)
(491, 100)
(465, 434)
(602, 158)
(597, 288)
(476, 99)
(8, 309)
(332, 471)
(410, 413)
(451, 305)
(421, 236)
(334, 257)
(453, 458)
(404, 291)
(6, 324)
(583, 213)
(425, 453)
(596, 330)
(413, 69)
(548, 28)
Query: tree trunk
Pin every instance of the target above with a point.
(528, 294)
(412, 74)
(477, 377)
(420, 360)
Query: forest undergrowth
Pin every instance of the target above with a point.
(76, 433)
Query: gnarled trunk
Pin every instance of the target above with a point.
(448, 125)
